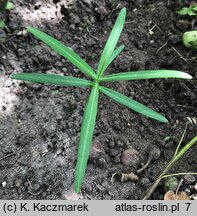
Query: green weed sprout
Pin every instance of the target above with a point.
(2, 24)
(6, 5)
(188, 11)
(109, 53)
(190, 39)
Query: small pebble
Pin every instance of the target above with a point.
(154, 153)
(116, 160)
(141, 129)
(195, 186)
(21, 52)
(18, 182)
(130, 157)
(59, 64)
(161, 143)
(189, 179)
(119, 143)
(4, 183)
(101, 11)
(111, 144)
(8, 83)
(113, 152)
(109, 23)
(7, 149)
(23, 161)
(175, 39)
(75, 19)
(96, 149)
(36, 187)
(183, 24)
(26, 184)
(145, 182)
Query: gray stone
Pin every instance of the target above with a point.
(189, 179)
(130, 157)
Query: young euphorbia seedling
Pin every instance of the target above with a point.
(110, 52)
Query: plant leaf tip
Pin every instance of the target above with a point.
(189, 76)
(28, 28)
(13, 76)
(124, 9)
(165, 120)
(162, 119)
(185, 75)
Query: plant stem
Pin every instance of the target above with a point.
(169, 165)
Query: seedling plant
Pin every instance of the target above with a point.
(4, 5)
(189, 37)
(188, 11)
(98, 78)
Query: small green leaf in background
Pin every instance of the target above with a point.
(188, 11)
(2, 24)
(52, 79)
(132, 104)
(9, 6)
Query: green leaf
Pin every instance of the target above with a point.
(9, 6)
(64, 51)
(2, 24)
(194, 8)
(52, 79)
(111, 42)
(146, 74)
(132, 104)
(86, 136)
(115, 54)
(190, 11)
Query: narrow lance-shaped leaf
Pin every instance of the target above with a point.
(52, 79)
(115, 53)
(86, 136)
(64, 51)
(111, 42)
(147, 74)
(132, 104)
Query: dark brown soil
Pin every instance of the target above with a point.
(40, 124)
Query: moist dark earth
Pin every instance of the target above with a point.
(40, 124)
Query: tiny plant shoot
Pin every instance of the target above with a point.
(109, 53)
(6, 5)
(188, 11)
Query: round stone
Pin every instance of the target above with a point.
(130, 157)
